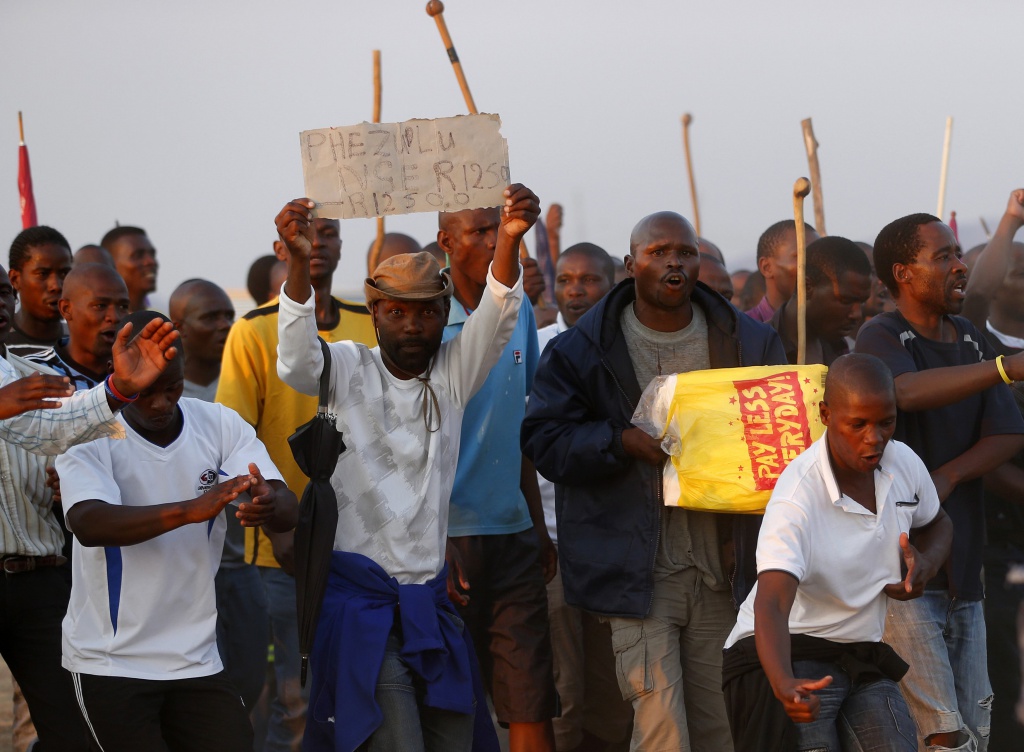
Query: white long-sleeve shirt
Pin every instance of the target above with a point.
(394, 481)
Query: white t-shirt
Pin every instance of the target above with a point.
(841, 554)
(394, 481)
(148, 611)
(547, 488)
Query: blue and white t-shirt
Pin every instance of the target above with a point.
(148, 611)
(486, 499)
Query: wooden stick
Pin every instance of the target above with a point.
(376, 86)
(800, 190)
(435, 8)
(687, 119)
(21, 130)
(945, 167)
(378, 243)
(984, 226)
(811, 144)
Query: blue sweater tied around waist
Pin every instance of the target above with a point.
(357, 615)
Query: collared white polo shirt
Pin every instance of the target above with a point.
(841, 554)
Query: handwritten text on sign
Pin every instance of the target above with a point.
(376, 169)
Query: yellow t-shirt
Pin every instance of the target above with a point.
(249, 384)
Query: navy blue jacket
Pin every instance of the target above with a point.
(608, 505)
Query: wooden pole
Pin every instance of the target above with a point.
(687, 119)
(984, 226)
(800, 190)
(21, 130)
(378, 242)
(811, 144)
(435, 8)
(945, 167)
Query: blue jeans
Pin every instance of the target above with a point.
(243, 631)
(288, 708)
(855, 718)
(947, 687)
(409, 725)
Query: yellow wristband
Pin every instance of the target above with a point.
(1002, 371)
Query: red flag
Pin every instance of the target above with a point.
(28, 201)
(952, 226)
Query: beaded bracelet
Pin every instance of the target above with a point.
(1002, 371)
(108, 384)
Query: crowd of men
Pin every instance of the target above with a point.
(503, 555)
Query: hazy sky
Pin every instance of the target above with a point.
(183, 117)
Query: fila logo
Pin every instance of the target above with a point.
(517, 356)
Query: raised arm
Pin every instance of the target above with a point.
(476, 349)
(518, 215)
(89, 414)
(299, 358)
(993, 264)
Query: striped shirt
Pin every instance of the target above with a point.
(51, 358)
(27, 524)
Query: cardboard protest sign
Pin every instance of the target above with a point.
(377, 169)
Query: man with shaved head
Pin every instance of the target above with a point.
(94, 304)
(714, 274)
(707, 248)
(93, 254)
(660, 575)
(498, 542)
(853, 522)
(202, 312)
(394, 244)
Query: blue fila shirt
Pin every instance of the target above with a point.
(486, 499)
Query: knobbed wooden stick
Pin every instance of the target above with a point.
(435, 8)
(800, 190)
(811, 145)
(378, 243)
(945, 167)
(687, 119)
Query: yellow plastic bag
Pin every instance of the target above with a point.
(730, 432)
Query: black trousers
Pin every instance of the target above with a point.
(32, 607)
(176, 715)
(1002, 605)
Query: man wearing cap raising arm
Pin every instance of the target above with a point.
(398, 674)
